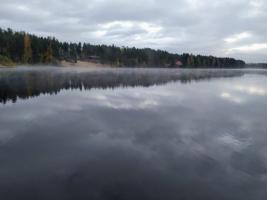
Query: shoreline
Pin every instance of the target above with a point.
(62, 64)
(94, 65)
(84, 64)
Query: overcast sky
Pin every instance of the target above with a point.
(233, 28)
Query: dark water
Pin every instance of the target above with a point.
(133, 134)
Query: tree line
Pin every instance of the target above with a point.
(24, 48)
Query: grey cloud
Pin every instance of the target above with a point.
(175, 25)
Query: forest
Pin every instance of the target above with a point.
(23, 48)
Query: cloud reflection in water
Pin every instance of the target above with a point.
(170, 141)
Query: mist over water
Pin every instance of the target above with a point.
(133, 134)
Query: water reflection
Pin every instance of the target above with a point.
(29, 82)
(165, 141)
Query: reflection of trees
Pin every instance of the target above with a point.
(30, 83)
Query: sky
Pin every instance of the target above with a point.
(227, 28)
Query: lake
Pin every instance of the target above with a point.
(133, 134)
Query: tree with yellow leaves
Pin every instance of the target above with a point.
(48, 56)
(27, 54)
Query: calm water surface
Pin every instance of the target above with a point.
(133, 134)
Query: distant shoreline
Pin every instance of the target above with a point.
(60, 64)
(94, 65)
(83, 64)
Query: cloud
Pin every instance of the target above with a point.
(217, 27)
(238, 37)
(249, 48)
